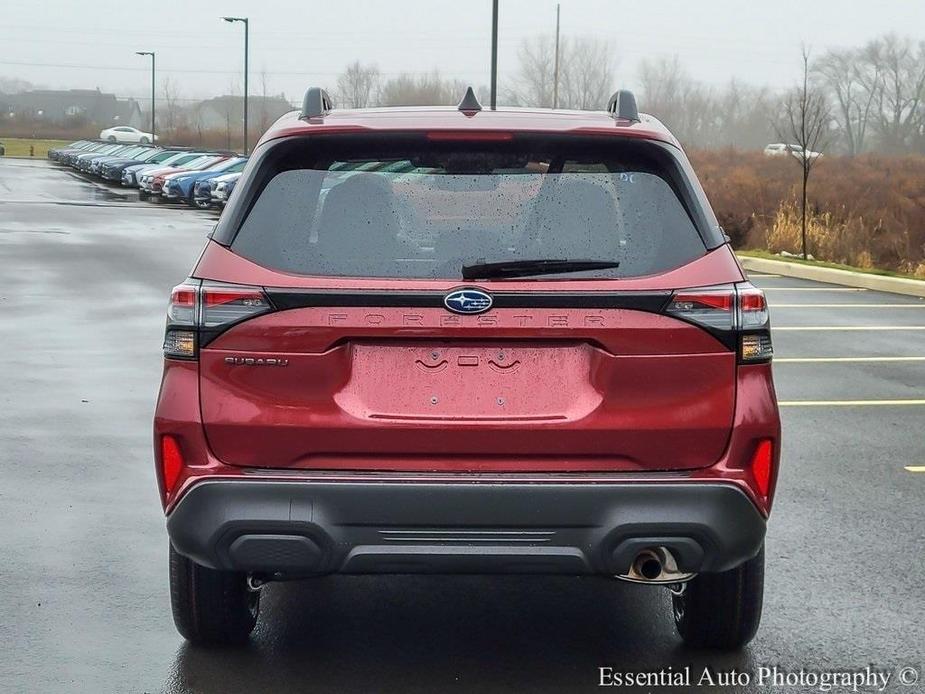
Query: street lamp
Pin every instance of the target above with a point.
(151, 53)
(246, 28)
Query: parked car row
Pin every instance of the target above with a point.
(202, 179)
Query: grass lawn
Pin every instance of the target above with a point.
(821, 263)
(19, 147)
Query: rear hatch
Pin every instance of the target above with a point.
(509, 306)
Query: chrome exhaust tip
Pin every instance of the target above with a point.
(655, 566)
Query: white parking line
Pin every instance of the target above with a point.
(922, 305)
(915, 468)
(761, 276)
(813, 289)
(849, 403)
(778, 328)
(841, 360)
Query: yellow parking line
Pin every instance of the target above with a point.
(813, 289)
(915, 468)
(762, 275)
(822, 360)
(922, 305)
(847, 327)
(849, 403)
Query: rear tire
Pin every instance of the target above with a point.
(144, 140)
(722, 610)
(209, 606)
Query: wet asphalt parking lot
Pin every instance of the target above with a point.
(84, 276)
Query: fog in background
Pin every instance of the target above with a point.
(717, 72)
(301, 42)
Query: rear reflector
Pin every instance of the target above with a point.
(761, 466)
(171, 462)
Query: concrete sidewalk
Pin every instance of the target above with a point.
(880, 283)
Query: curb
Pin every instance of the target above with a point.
(879, 283)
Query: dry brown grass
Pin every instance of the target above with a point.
(865, 211)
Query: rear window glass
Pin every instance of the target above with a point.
(426, 211)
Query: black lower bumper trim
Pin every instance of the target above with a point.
(315, 527)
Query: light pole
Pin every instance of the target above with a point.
(151, 53)
(246, 29)
(494, 54)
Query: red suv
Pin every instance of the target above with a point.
(453, 340)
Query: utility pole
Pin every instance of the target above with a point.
(555, 78)
(246, 32)
(494, 54)
(151, 53)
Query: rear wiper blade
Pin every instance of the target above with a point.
(527, 268)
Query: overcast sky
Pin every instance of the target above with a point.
(68, 43)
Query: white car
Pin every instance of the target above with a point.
(779, 149)
(223, 187)
(123, 133)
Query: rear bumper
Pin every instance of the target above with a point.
(385, 526)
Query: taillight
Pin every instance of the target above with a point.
(736, 314)
(197, 313)
(754, 325)
(221, 305)
(182, 319)
(711, 307)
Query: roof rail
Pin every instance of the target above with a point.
(470, 102)
(316, 104)
(622, 106)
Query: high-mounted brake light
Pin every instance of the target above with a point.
(197, 313)
(737, 314)
(469, 136)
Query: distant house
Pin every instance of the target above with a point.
(227, 112)
(71, 107)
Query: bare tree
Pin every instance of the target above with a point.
(533, 85)
(357, 85)
(171, 106)
(853, 81)
(685, 106)
(264, 117)
(586, 68)
(231, 110)
(424, 90)
(901, 92)
(586, 73)
(806, 123)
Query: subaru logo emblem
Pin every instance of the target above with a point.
(467, 301)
